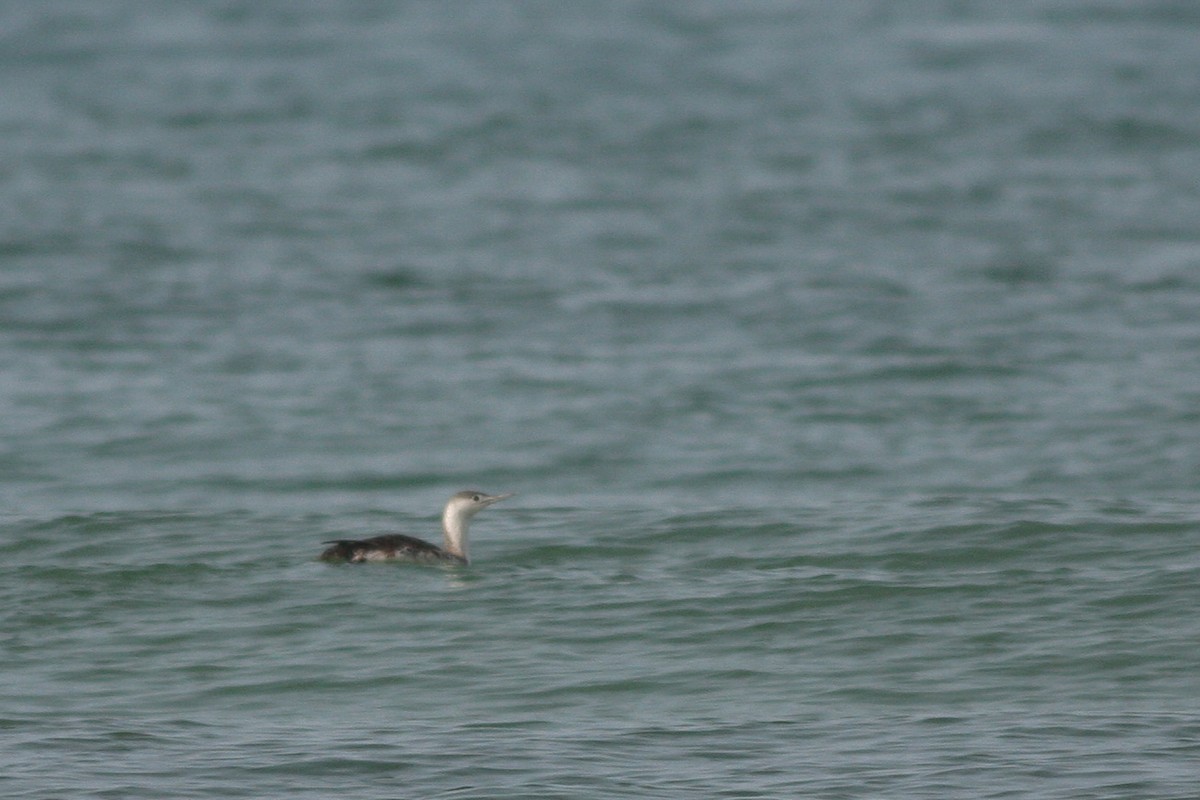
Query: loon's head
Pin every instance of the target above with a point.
(457, 517)
(470, 502)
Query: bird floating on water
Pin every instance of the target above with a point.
(398, 547)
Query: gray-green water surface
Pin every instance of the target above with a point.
(845, 358)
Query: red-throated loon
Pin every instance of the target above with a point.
(395, 546)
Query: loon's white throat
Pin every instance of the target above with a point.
(456, 519)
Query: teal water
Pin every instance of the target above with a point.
(844, 358)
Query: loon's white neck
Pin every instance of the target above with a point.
(457, 516)
(455, 521)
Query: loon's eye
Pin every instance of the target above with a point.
(475, 498)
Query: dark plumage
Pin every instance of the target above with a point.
(386, 547)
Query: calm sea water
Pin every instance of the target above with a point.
(845, 358)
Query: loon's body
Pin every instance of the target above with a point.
(389, 547)
(397, 547)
